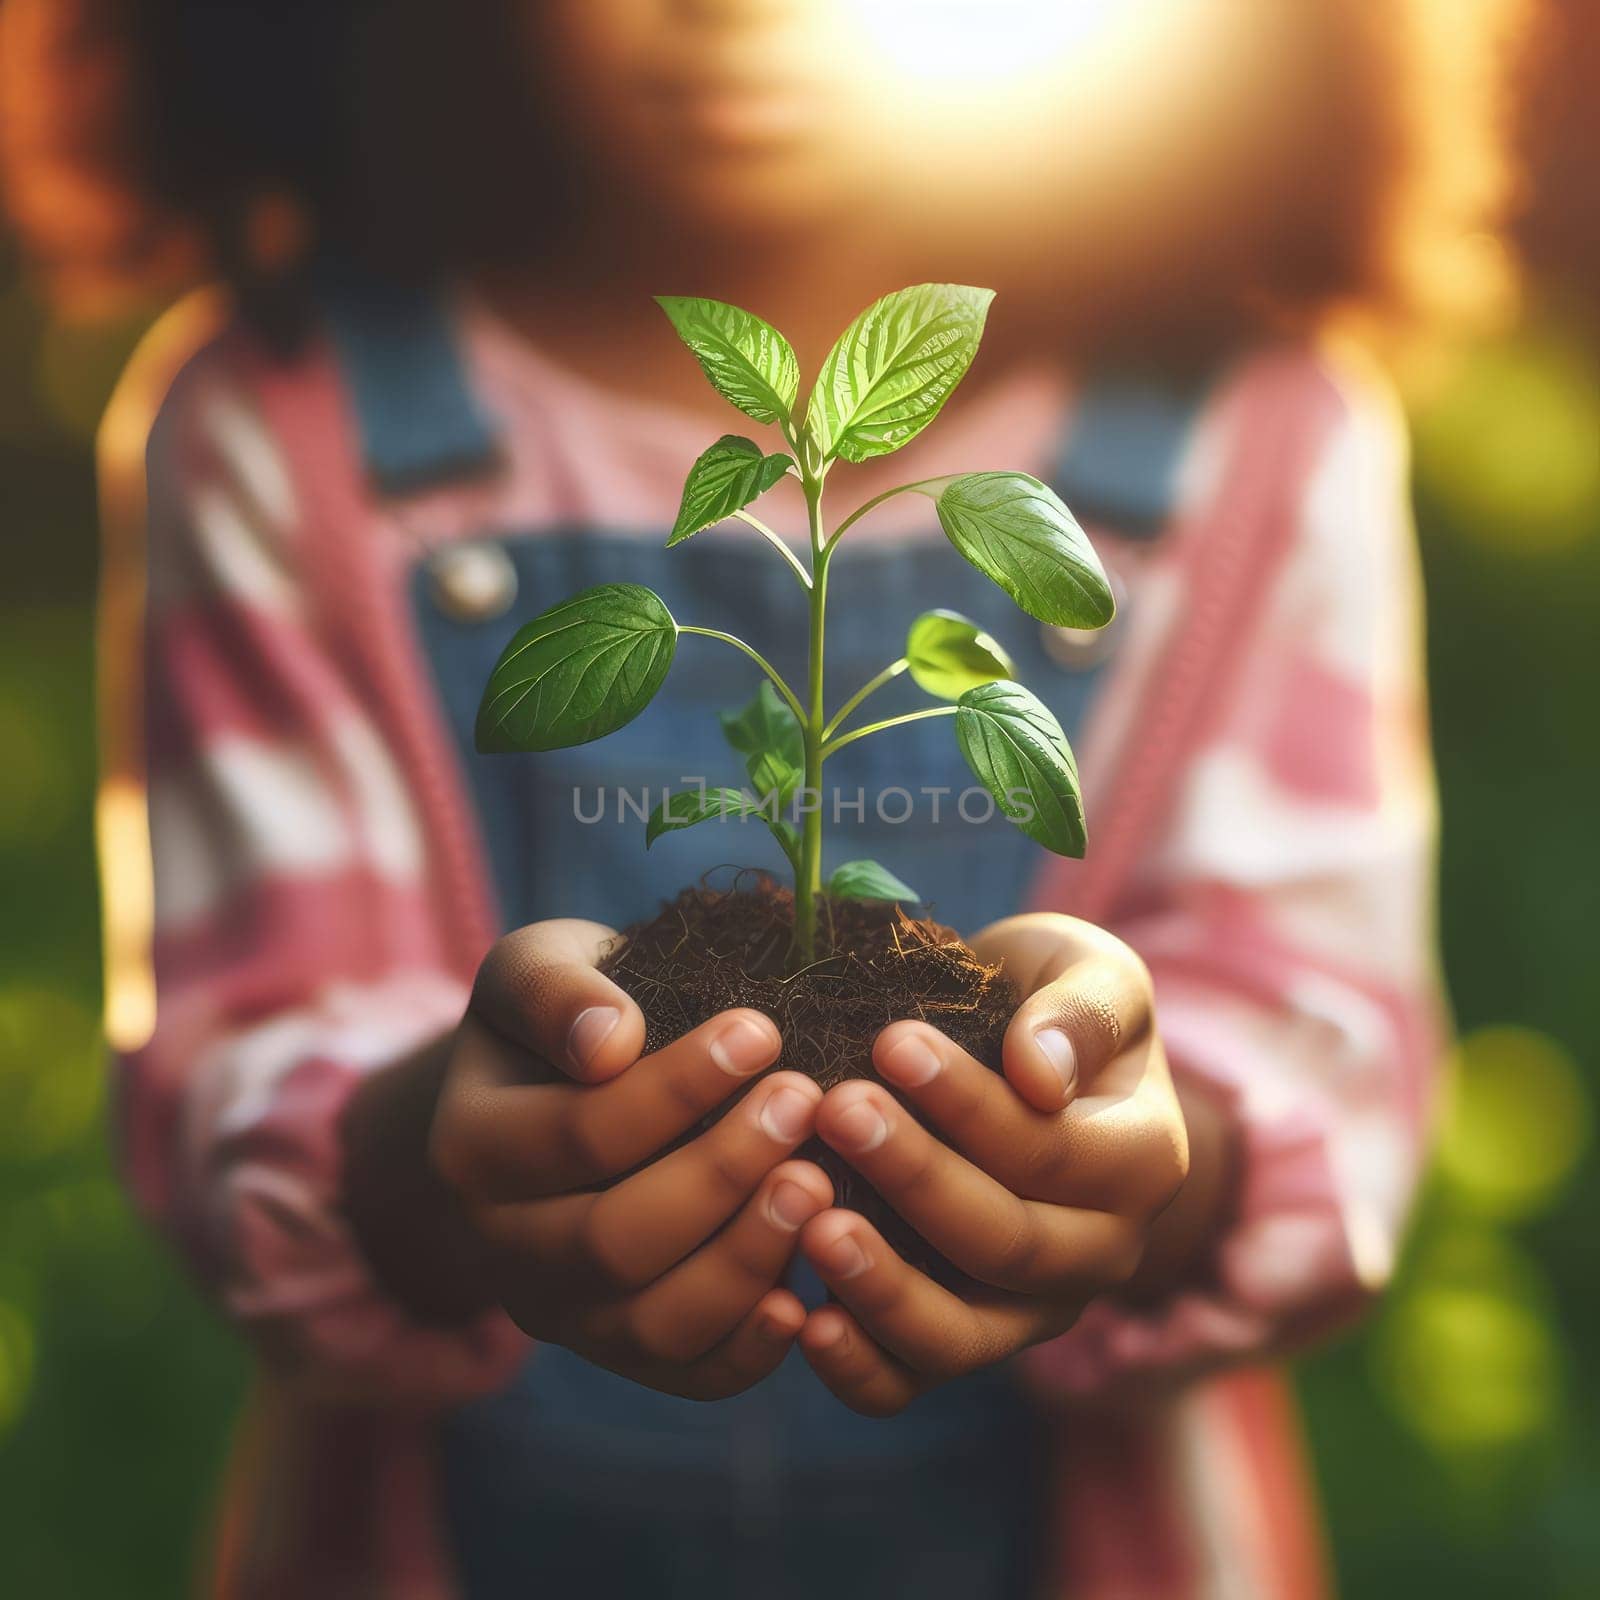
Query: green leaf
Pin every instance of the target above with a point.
(768, 735)
(578, 671)
(894, 367)
(690, 806)
(1017, 751)
(766, 723)
(866, 880)
(949, 654)
(747, 360)
(770, 774)
(731, 474)
(1015, 530)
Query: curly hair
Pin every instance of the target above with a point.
(147, 143)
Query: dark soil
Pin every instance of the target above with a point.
(713, 949)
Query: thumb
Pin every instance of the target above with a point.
(541, 988)
(1064, 1033)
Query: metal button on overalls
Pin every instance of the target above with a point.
(474, 582)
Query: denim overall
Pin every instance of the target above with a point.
(573, 1481)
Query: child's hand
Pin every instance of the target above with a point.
(641, 1277)
(1057, 1171)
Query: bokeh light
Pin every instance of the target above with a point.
(1466, 1354)
(1510, 442)
(51, 1072)
(1517, 1124)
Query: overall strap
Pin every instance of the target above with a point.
(1124, 447)
(420, 426)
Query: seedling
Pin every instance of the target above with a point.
(590, 665)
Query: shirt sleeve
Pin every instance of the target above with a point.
(291, 943)
(1286, 917)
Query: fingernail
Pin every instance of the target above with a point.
(787, 1115)
(859, 1129)
(590, 1029)
(790, 1206)
(844, 1258)
(911, 1063)
(1057, 1049)
(742, 1047)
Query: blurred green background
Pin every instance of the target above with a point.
(1455, 1436)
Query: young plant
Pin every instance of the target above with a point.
(590, 665)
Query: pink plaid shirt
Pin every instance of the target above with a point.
(1261, 799)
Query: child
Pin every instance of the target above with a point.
(358, 483)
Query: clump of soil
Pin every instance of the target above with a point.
(711, 949)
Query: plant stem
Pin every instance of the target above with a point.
(891, 722)
(759, 659)
(777, 544)
(871, 505)
(808, 878)
(888, 675)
